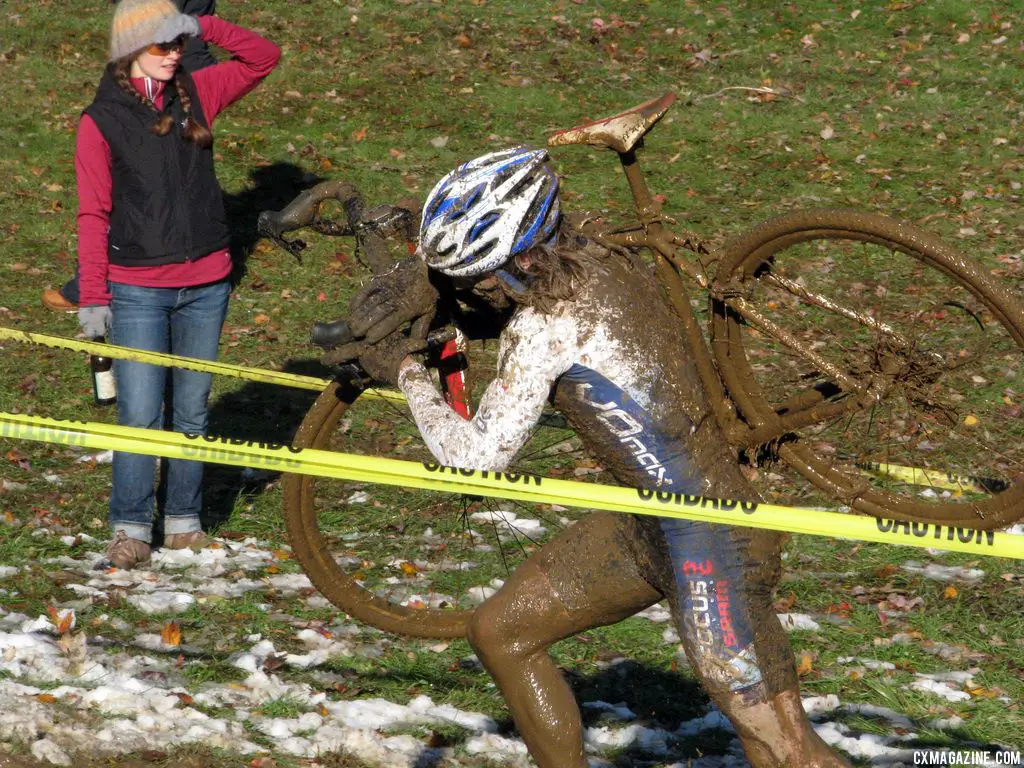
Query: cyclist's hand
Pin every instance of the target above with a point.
(391, 300)
(381, 360)
(95, 321)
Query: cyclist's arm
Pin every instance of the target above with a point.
(535, 350)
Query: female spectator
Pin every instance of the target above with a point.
(151, 223)
(196, 56)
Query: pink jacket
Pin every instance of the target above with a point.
(253, 58)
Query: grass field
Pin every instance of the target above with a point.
(912, 109)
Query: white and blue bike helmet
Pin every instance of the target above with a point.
(489, 210)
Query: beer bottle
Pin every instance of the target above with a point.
(104, 389)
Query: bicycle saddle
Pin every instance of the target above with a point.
(620, 132)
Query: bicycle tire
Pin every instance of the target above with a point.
(912, 348)
(356, 589)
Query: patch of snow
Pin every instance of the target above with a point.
(713, 720)
(794, 622)
(651, 740)
(943, 572)
(162, 602)
(867, 663)
(939, 688)
(617, 711)
(657, 613)
(103, 457)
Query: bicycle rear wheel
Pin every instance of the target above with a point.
(405, 561)
(894, 359)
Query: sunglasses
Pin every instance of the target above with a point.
(166, 49)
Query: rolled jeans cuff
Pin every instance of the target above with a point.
(181, 524)
(138, 531)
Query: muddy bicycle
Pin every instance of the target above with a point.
(843, 345)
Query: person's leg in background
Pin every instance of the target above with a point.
(64, 299)
(195, 323)
(140, 320)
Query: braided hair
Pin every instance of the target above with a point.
(193, 130)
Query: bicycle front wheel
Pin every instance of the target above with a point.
(893, 359)
(407, 561)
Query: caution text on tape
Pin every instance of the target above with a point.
(507, 485)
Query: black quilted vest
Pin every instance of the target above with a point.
(167, 205)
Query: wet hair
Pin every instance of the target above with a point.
(194, 131)
(557, 270)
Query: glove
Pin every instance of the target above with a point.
(176, 26)
(95, 321)
(380, 361)
(391, 300)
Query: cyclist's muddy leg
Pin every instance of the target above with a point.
(775, 732)
(585, 578)
(756, 689)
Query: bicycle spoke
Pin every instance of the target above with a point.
(907, 321)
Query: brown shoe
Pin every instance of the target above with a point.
(126, 553)
(194, 540)
(55, 300)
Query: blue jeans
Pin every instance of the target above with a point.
(182, 321)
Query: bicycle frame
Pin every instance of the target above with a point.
(744, 430)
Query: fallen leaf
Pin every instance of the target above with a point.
(970, 420)
(171, 634)
(15, 456)
(785, 604)
(983, 693)
(842, 609)
(274, 661)
(46, 698)
(886, 571)
(360, 134)
(805, 664)
(63, 621)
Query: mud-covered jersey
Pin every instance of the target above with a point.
(584, 350)
(613, 362)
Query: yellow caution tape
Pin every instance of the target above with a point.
(506, 485)
(935, 478)
(165, 360)
(929, 478)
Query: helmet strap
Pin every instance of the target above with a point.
(511, 282)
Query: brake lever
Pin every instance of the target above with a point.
(269, 225)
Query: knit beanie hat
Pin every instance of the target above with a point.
(136, 23)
